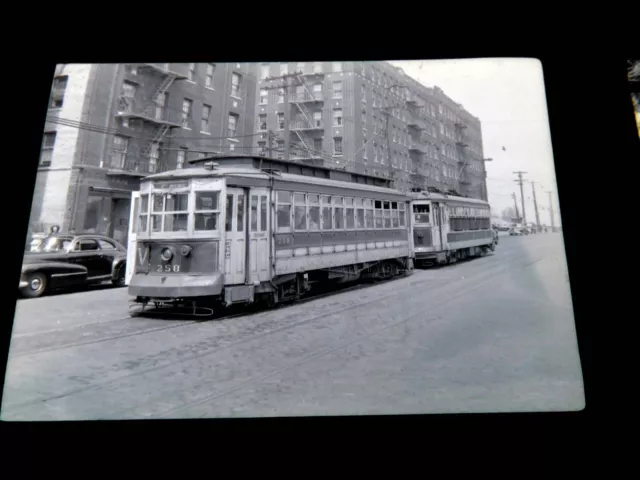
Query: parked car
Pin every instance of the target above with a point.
(516, 231)
(68, 260)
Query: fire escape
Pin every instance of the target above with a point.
(417, 147)
(303, 124)
(152, 110)
(464, 155)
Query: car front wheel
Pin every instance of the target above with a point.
(36, 285)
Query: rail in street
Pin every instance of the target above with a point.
(490, 334)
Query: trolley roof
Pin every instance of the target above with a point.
(443, 197)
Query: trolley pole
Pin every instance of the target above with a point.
(535, 204)
(520, 182)
(553, 226)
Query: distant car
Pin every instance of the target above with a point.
(71, 260)
(516, 231)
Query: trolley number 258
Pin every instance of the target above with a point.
(168, 268)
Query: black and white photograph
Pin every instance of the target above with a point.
(294, 239)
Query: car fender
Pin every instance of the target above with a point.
(77, 273)
(118, 263)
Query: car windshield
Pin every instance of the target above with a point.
(54, 244)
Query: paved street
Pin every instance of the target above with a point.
(493, 334)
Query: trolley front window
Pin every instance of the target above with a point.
(421, 213)
(170, 212)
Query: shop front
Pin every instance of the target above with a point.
(107, 213)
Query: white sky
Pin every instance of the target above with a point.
(508, 97)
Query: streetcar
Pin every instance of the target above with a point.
(243, 229)
(449, 228)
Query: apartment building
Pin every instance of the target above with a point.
(369, 117)
(109, 125)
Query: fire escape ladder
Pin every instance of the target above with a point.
(160, 133)
(163, 87)
(304, 84)
(304, 144)
(307, 115)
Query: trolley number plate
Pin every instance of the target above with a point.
(168, 268)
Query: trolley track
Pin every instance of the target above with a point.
(251, 336)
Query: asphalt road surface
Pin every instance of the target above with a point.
(493, 334)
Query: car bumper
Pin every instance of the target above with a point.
(176, 286)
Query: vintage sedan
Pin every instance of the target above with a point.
(71, 260)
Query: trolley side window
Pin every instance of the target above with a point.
(300, 211)
(254, 212)
(349, 214)
(143, 215)
(401, 214)
(359, 214)
(387, 214)
(229, 213)
(283, 211)
(395, 219)
(240, 214)
(314, 211)
(206, 211)
(378, 213)
(327, 223)
(338, 213)
(368, 213)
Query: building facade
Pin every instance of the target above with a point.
(372, 118)
(108, 125)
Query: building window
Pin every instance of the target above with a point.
(281, 95)
(264, 71)
(337, 117)
(317, 145)
(48, 141)
(204, 122)
(58, 91)
(317, 119)
(208, 81)
(187, 104)
(364, 94)
(337, 66)
(337, 146)
(262, 121)
(192, 72)
(180, 158)
(337, 89)
(280, 121)
(364, 147)
(280, 144)
(232, 125)
(236, 80)
(284, 69)
(317, 67)
(264, 96)
(119, 154)
(262, 148)
(300, 67)
(364, 119)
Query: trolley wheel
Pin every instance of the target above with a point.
(36, 285)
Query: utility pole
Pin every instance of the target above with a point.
(287, 79)
(535, 204)
(270, 136)
(515, 204)
(553, 227)
(520, 182)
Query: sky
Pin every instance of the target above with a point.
(508, 97)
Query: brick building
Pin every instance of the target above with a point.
(371, 118)
(108, 125)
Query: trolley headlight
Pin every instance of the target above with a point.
(185, 250)
(166, 254)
